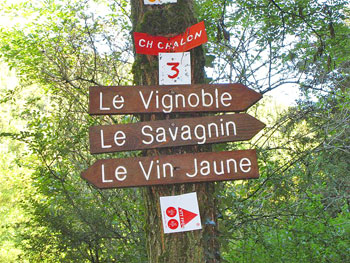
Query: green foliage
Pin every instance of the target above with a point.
(290, 213)
(298, 211)
(14, 177)
(66, 219)
(296, 240)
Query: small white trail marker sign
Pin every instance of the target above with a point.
(174, 68)
(180, 213)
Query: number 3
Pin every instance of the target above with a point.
(174, 68)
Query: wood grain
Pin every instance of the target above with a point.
(173, 132)
(240, 98)
(173, 169)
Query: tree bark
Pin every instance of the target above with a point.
(193, 246)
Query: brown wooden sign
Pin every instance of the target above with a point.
(173, 132)
(167, 99)
(173, 169)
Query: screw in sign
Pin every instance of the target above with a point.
(174, 68)
(180, 213)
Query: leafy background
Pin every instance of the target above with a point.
(297, 211)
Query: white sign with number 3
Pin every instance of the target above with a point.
(174, 68)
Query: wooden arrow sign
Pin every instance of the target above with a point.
(167, 99)
(173, 132)
(173, 169)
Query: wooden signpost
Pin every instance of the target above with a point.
(173, 132)
(173, 169)
(177, 98)
(174, 69)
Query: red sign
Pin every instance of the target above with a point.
(180, 213)
(185, 216)
(152, 45)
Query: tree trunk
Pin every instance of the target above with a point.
(193, 246)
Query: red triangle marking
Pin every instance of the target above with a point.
(185, 216)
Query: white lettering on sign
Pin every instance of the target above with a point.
(197, 34)
(172, 169)
(119, 171)
(149, 44)
(147, 175)
(143, 43)
(158, 2)
(221, 167)
(101, 100)
(199, 168)
(246, 164)
(118, 102)
(103, 175)
(161, 170)
(103, 142)
(190, 100)
(174, 68)
(193, 36)
(199, 132)
(169, 102)
(226, 96)
(119, 139)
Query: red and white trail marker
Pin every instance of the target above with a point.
(180, 213)
(174, 68)
(158, 2)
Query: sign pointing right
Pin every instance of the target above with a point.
(173, 132)
(167, 99)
